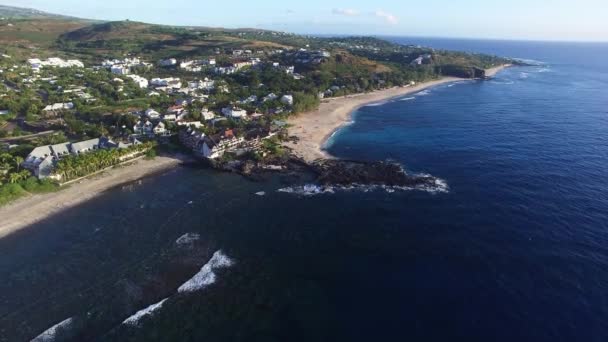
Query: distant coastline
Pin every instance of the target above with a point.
(313, 129)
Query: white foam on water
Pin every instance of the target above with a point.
(523, 75)
(408, 99)
(206, 276)
(261, 193)
(134, 319)
(187, 239)
(423, 93)
(376, 104)
(503, 82)
(438, 186)
(51, 333)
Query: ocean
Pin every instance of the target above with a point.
(514, 249)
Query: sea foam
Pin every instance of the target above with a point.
(438, 186)
(187, 239)
(206, 276)
(134, 320)
(51, 333)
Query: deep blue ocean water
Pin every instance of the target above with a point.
(517, 250)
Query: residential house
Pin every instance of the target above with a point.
(41, 161)
(59, 107)
(234, 112)
(120, 70)
(143, 128)
(207, 115)
(160, 129)
(168, 62)
(152, 114)
(217, 146)
(140, 81)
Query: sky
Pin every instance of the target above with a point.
(568, 20)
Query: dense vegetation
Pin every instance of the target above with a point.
(16, 182)
(75, 166)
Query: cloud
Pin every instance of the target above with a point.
(388, 17)
(345, 11)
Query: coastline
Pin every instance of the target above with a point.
(30, 210)
(314, 128)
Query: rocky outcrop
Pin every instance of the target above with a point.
(342, 172)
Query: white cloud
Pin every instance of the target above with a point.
(388, 17)
(345, 11)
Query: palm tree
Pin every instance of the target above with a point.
(18, 161)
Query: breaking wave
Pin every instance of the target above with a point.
(51, 333)
(408, 99)
(206, 276)
(187, 239)
(376, 104)
(134, 320)
(423, 93)
(438, 186)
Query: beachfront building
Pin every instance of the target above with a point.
(217, 146)
(41, 161)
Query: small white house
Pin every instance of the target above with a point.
(120, 70)
(140, 81)
(152, 114)
(234, 112)
(168, 62)
(207, 115)
(160, 129)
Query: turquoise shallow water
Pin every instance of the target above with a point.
(516, 250)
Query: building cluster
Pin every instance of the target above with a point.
(37, 64)
(42, 160)
(123, 66)
(304, 56)
(216, 146)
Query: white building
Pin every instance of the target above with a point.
(160, 129)
(207, 115)
(59, 106)
(234, 112)
(120, 70)
(140, 81)
(143, 128)
(171, 82)
(152, 114)
(168, 62)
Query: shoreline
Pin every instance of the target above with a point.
(27, 211)
(313, 129)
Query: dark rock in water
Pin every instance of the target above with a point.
(341, 172)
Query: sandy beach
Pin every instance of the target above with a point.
(314, 128)
(27, 211)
